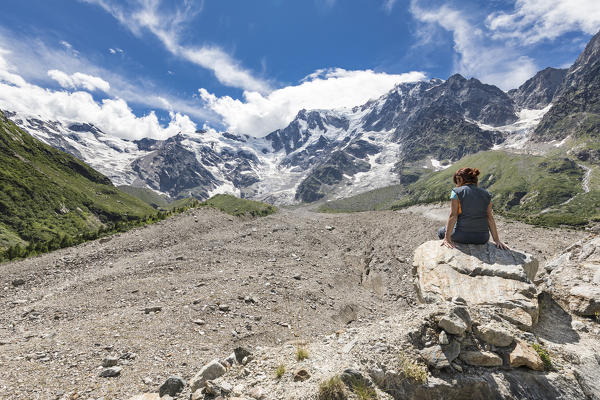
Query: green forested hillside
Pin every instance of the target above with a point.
(50, 199)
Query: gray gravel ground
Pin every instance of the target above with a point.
(220, 282)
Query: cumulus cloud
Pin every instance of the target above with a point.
(477, 54)
(115, 50)
(533, 21)
(166, 26)
(260, 114)
(113, 116)
(79, 80)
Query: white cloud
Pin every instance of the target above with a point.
(260, 114)
(166, 26)
(115, 50)
(113, 116)
(32, 58)
(388, 5)
(79, 80)
(533, 20)
(477, 55)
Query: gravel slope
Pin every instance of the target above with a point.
(220, 282)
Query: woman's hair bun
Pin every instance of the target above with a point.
(468, 175)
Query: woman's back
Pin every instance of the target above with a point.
(474, 202)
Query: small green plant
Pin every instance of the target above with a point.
(332, 389)
(543, 353)
(280, 371)
(597, 315)
(301, 353)
(413, 370)
(362, 390)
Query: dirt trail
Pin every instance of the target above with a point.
(220, 282)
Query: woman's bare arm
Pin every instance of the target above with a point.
(450, 224)
(493, 229)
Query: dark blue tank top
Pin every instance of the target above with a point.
(474, 203)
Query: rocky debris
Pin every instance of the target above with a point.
(453, 325)
(240, 353)
(482, 275)
(524, 355)
(574, 278)
(481, 358)
(172, 386)
(441, 356)
(495, 335)
(17, 282)
(111, 372)
(110, 362)
(154, 309)
(443, 338)
(146, 396)
(301, 375)
(210, 371)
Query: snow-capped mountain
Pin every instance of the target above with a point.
(413, 128)
(320, 153)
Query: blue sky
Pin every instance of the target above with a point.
(152, 68)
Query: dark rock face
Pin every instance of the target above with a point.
(299, 130)
(330, 172)
(175, 170)
(576, 108)
(538, 92)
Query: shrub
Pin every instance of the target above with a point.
(301, 353)
(413, 370)
(544, 355)
(362, 390)
(332, 389)
(280, 371)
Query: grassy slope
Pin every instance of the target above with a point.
(148, 196)
(235, 206)
(46, 193)
(525, 187)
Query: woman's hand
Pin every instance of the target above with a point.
(501, 245)
(448, 243)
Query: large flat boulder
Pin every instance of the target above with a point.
(482, 275)
(574, 278)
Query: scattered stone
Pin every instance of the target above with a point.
(149, 310)
(230, 359)
(147, 380)
(110, 362)
(257, 393)
(329, 227)
(172, 386)
(301, 375)
(146, 396)
(241, 352)
(440, 356)
(495, 335)
(111, 372)
(247, 359)
(578, 326)
(199, 322)
(18, 282)
(443, 338)
(224, 307)
(481, 358)
(524, 355)
(453, 325)
(210, 371)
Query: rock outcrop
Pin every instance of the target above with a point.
(574, 278)
(483, 276)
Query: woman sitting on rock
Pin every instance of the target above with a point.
(470, 211)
